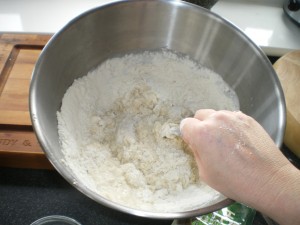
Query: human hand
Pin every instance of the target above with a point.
(237, 157)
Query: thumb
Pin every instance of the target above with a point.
(189, 129)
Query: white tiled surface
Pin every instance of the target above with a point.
(262, 20)
(41, 16)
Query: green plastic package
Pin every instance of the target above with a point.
(235, 214)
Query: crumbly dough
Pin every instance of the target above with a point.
(119, 129)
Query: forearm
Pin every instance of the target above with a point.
(280, 198)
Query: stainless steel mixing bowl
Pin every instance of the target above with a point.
(132, 26)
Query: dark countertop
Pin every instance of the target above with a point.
(27, 195)
(204, 3)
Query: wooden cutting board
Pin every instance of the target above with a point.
(18, 144)
(288, 71)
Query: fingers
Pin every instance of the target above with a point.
(202, 114)
(190, 127)
(197, 130)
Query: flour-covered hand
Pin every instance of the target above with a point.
(237, 157)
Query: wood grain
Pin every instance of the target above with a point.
(19, 146)
(288, 70)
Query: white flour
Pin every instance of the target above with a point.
(119, 129)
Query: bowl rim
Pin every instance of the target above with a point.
(81, 187)
(55, 218)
